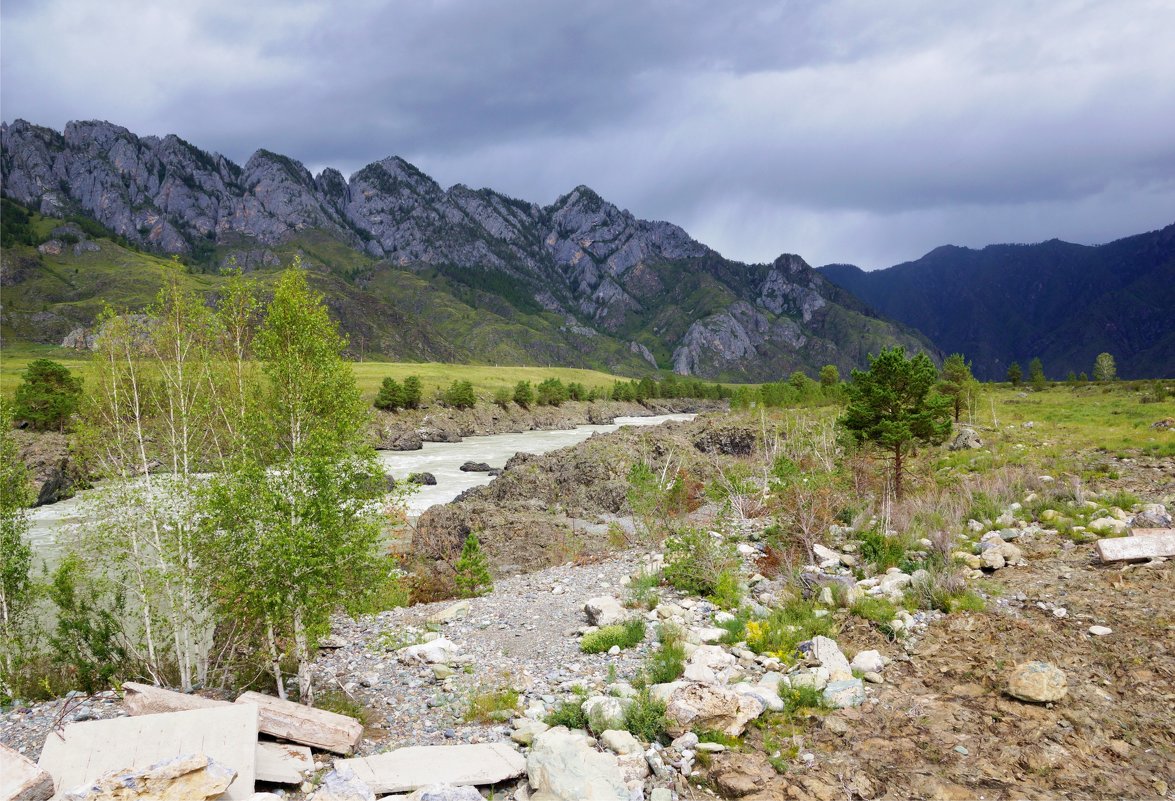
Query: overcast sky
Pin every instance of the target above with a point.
(850, 130)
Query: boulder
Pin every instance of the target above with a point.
(868, 661)
(829, 655)
(967, 438)
(739, 774)
(728, 440)
(190, 777)
(400, 439)
(605, 712)
(341, 784)
(1038, 682)
(1153, 515)
(844, 693)
(475, 467)
(563, 767)
(526, 729)
(604, 610)
(438, 651)
(423, 479)
(1108, 527)
(444, 792)
(458, 611)
(620, 742)
(21, 779)
(768, 696)
(694, 705)
(710, 664)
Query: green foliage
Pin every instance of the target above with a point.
(829, 376)
(342, 704)
(15, 227)
(736, 629)
(1036, 375)
(785, 628)
(460, 395)
(645, 717)
(391, 395)
(569, 713)
(87, 638)
(882, 550)
(1015, 374)
(728, 591)
(473, 569)
(666, 662)
(1104, 368)
(412, 392)
(551, 392)
(523, 394)
(48, 396)
(797, 700)
(16, 554)
(627, 634)
(655, 500)
(957, 382)
(502, 397)
(877, 611)
(642, 590)
(893, 405)
(492, 706)
(698, 563)
(577, 391)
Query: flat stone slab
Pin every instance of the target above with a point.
(282, 763)
(1147, 546)
(407, 769)
(84, 752)
(21, 779)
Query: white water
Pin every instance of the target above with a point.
(442, 459)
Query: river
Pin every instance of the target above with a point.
(442, 459)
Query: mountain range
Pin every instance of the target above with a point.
(1056, 301)
(412, 270)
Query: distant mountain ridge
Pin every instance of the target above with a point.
(484, 276)
(1061, 302)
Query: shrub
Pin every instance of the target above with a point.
(390, 396)
(569, 713)
(736, 629)
(695, 562)
(728, 591)
(473, 570)
(666, 663)
(875, 610)
(47, 396)
(642, 591)
(523, 394)
(798, 699)
(490, 706)
(551, 393)
(626, 635)
(645, 717)
(946, 590)
(785, 628)
(460, 395)
(882, 550)
(412, 392)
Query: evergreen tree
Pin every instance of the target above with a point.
(893, 405)
(391, 395)
(1015, 374)
(957, 382)
(1036, 374)
(48, 395)
(829, 376)
(473, 569)
(1104, 368)
(502, 397)
(412, 392)
(460, 395)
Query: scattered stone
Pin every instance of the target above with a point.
(341, 784)
(438, 651)
(693, 705)
(739, 774)
(423, 479)
(1108, 526)
(1038, 682)
(1100, 631)
(526, 729)
(458, 611)
(868, 662)
(829, 655)
(561, 765)
(873, 678)
(1152, 515)
(605, 712)
(444, 792)
(966, 439)
(619, 741)
(710, 664)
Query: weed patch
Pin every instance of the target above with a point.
(625, 635)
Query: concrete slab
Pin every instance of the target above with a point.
(317, 728)
(282, 763)
(21, 779)
(419, 766)
(85, 751)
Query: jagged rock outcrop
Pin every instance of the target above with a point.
(632, 293)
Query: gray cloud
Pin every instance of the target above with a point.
(843, 131)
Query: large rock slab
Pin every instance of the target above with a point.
(21, 779)
(188, 777)
(283, 763)
(420, 766)
(1038, 682)
(87, 751)
(561, 766)
(317, 728)
(828, 653)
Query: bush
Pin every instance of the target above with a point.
(626, 635)
(645, 717)
(460, 395)
(473, 569)
(47, 396)
(642, 591)
(698, 563)
(390, 396)
(882, 550)
(502, 397)
(551, 393)
(798, 699)
(569, 713)
(88, 637)
(666, 663)
(785, 628)
(523, 394)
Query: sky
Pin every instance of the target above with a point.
(845, 131)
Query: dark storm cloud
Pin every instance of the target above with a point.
(844, 131)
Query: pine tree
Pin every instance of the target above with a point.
(1015, 374)
(957, 382)
(48, 396)
(473, 569)
(893, 405)
(523, 394)
(412, 392)
(1036, 374)
(391, 395)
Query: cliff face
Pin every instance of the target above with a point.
(643, 288)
